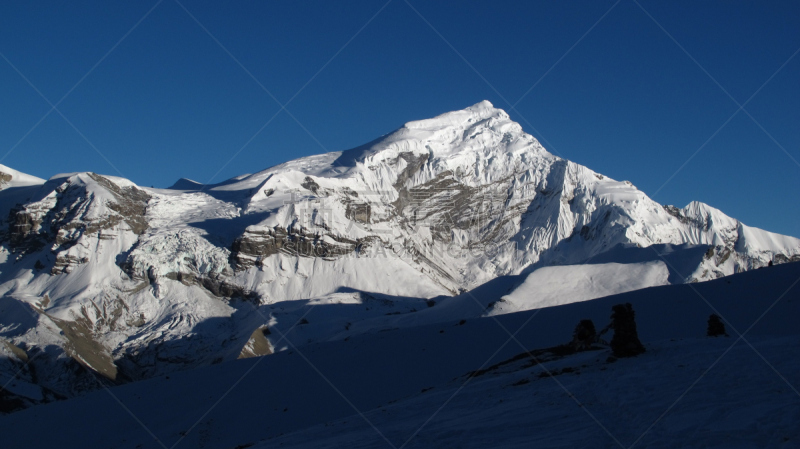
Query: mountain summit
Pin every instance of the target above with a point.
(100, 276)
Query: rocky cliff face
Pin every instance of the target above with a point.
(79, 208)
(105, 278)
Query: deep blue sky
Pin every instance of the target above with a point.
(168, 102)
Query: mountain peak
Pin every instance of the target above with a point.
(461, 119)
(484, 105)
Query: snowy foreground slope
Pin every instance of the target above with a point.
(411, 387)
(99, 276)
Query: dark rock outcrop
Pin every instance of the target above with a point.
(253, 247)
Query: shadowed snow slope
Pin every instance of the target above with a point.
(368, 389)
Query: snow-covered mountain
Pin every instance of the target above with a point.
(132, 282)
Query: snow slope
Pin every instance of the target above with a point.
(412, 385)
(132, 282)
(10, 178)
(553, 286)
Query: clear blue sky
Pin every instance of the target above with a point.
(169, 102)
